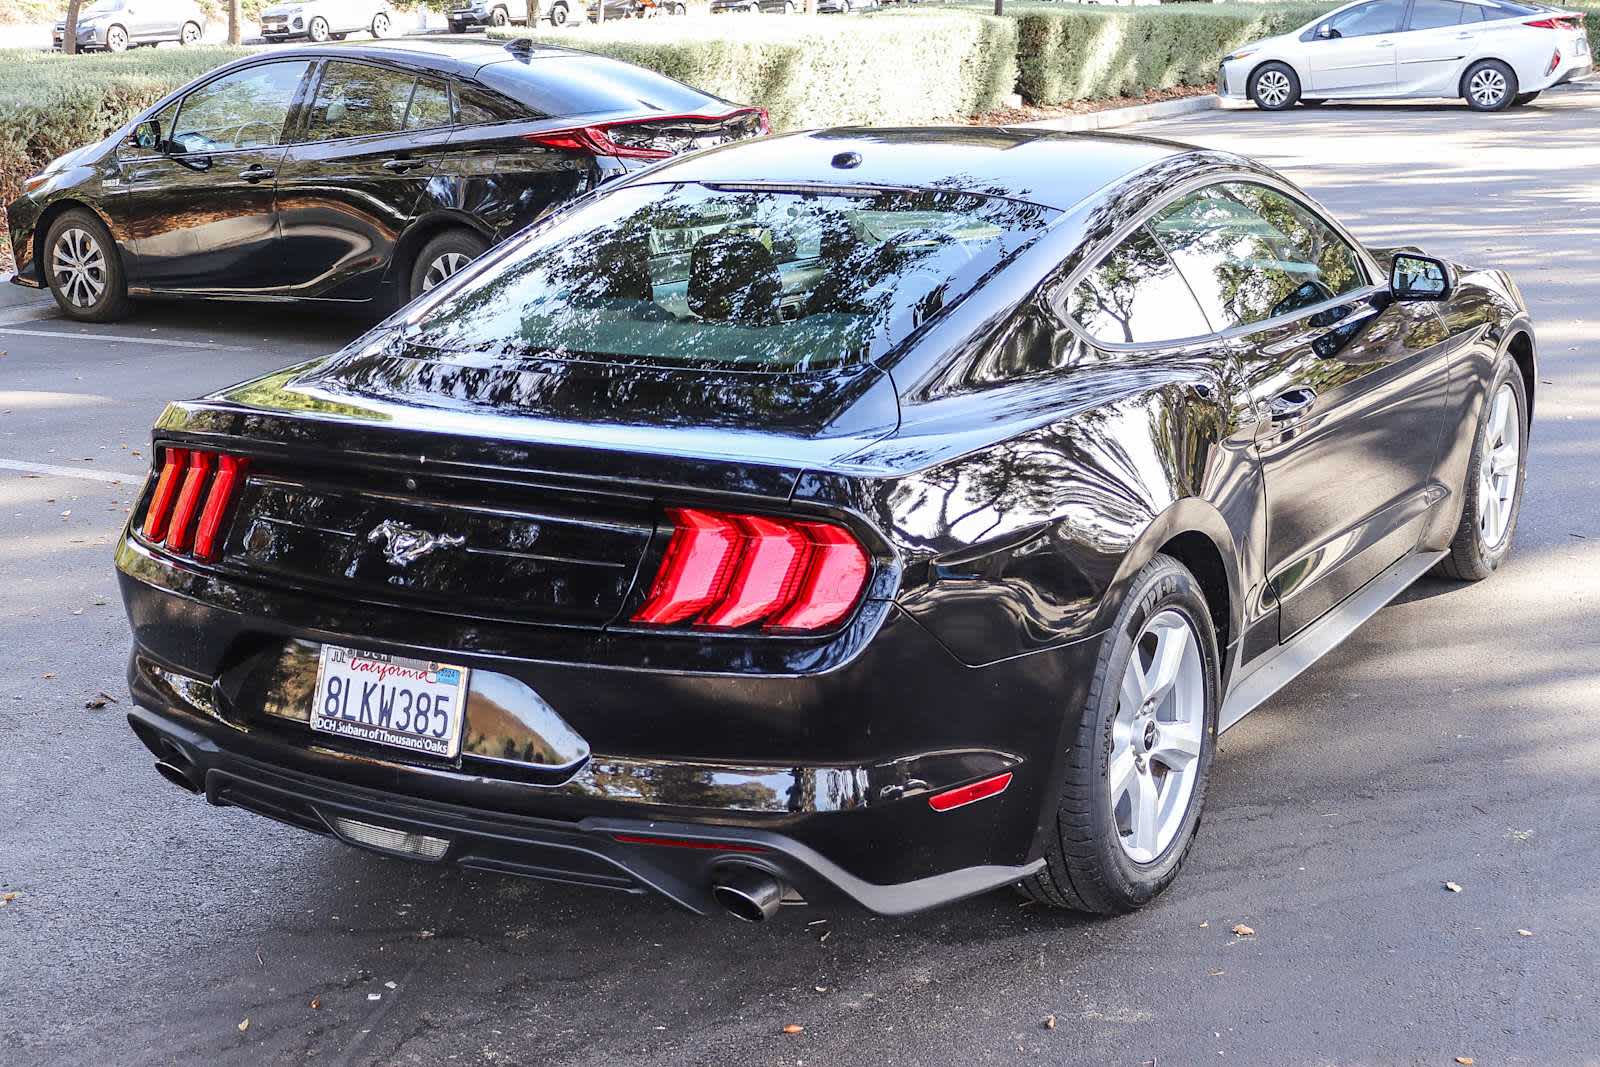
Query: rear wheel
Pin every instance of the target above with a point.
(443, 257)
(499, 17)
(558, 15)
(83, 269)
(189, 35)
(1489, 85)
(1524, 98)
(1138, 761)
(380, 25)
(318, 30)
(1493, 488)
(1274, 86)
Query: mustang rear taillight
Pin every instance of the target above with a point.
(191, 499)
(725, 571)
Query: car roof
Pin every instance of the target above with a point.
(1046, 167)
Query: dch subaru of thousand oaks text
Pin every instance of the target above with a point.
(867, 515)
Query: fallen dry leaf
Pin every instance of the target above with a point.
(423, 935)
(244, 1024)
(1205, 924)
(1465, 1061)
(1453, 887)
(1244, 931)
(7, 898)
(100, 700)
(1049, 1022)
(49, 674)
(793, 1028)
(1217, 974)
(1524, 933)
(316, 1002)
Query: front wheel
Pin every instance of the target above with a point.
(499, 17)
(318, 30)
(83, 269)
(1493, 489)
(1140, 755)
(189, 36)
(1274, 87)
(1489, 85)
(380, 25)
(442, 258)
(558, 15)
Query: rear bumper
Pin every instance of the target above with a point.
(591, 851)
(828, 772)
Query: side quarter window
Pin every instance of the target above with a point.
(1136, 296)
(354, 100)
(430, 105)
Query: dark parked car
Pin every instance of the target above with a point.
(118, 25)
(346, 173)
(872, 515)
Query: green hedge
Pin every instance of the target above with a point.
(1094, 54)
(50, 104)
(823, 71)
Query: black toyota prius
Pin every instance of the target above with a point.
(867, 515)
(347, 173)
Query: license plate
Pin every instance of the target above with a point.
(414, 704)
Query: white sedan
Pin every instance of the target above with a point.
(1492, 53)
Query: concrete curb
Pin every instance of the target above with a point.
(18, 303)
(1124, 116)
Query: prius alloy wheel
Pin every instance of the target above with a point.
(1138, 754)
(1489, 86)
(82, 269)
(441, 268)
(1497, 473)
(443, 258)
(1275, 87)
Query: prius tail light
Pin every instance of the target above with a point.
(191, 500)
(727, 571)
(1559, 22)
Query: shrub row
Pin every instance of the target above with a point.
(824, 71)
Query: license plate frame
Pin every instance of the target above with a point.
(366, 696)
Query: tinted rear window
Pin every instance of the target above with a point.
(771, 280)
(581, 85)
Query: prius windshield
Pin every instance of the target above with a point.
(739, 278)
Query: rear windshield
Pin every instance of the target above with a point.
(734, 278)
(582, 85)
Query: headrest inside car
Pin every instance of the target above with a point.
(733, 277)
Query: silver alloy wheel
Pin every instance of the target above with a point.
(116, 39)
(318, 30)
(1272, 87)
(1156, 736)
(79, 266)
(1497, 471)
(189, 35)
(380, 25)
(442, 268)
(1487, 87)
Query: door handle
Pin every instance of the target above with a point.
(256, 172)
(1292, 404)
(400, 166)
(1385, 44)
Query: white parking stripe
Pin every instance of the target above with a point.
(128, 340)
(68, 472)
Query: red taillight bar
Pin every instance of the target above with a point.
(727, 571)
(191, 500)
(596, 140)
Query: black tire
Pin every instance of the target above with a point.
(499, 17)
(1524, 98)
(1487, 70)
(1086, 867)
(317, 31)
(1318, 102)
(337, 36)
(1470, 558)
(558, 15)
(190, 34)
(456, 27)
(72, 295)
(1281, 88)
(447, 244)
(116, 39)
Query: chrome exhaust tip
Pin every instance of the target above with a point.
(177, 776)
(749, 894)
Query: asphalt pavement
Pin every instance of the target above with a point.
(1454, 739)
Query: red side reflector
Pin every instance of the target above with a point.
(179, 533)
(681, 842)
(968, 794)
(699, 562)
(833, 581)
(173, 462)
(230, 469)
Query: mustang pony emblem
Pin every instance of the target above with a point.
(404, 544)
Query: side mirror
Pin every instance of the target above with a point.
(1414, 277)
(1327, 32)
(147, 135)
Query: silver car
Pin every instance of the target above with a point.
(117, 25)
(323, 20)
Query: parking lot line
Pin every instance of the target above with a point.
(128, 340)
(113, 477)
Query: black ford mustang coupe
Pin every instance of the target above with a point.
(346, 173)
(872, 515)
